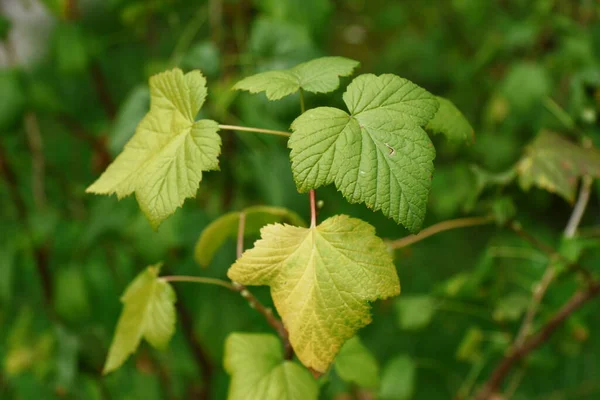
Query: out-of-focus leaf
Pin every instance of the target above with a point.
(355, 363)
(226, 226)
(525, 86)
(66, 360)
(553, 163)
(259, 372)
(322, 280)
(415, 312)
(148, 312)
(204, 56)
(398, 379)
(469, 348)
(71, 295)
(71, 49)
(309, 13)
(448, 120)
(511, 307)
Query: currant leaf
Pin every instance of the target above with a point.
(378, 154)
(148, 312)
(317, 76)
(322, 280)
(259, 372)
(164, 160)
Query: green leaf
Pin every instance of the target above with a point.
(379, 154)
(148, 312)
(226, 226)
(259, 372)
(469, 348)
(555, 164)
(164, 160)
(322, 279)
(398, 379)
(356, 364)
(415, 312)
(451, 122)
(316, 76)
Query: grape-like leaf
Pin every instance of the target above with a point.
(148, 312)
(356, 364)
(259, 372)
(226, 226)
(317, 76)
(378, 154)
(553, 163)
(451, 122)
(163, 162)
(322, 280)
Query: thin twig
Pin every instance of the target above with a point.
(579, 209)
(440, 227)
(516, 354)
(257, 130)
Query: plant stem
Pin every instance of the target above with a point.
(302, 104)
(580, 206)
(516, 354)
(440, 227)
(559, 113)
(257, 130)
(199, 279)
(313, 208)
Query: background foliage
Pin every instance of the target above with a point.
(73, 86)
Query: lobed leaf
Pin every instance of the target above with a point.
(317, 76)
(356, 364)
(226, 226)
(451, 122)
(148, 312)
(259, 372)
(555, 164)
(322, 280)
(163, 162)
(378, 154)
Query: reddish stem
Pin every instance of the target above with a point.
(313, 209)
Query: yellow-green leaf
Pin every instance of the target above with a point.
(226, 226)
(318, 76)
(163, 162)
(148, 312)
(322, 280)
(554, 163)
(259, 372)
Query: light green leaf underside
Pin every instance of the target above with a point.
(163, 162)
(316, 76)
(451, 122)
(356, 364)
(378, 155)
(322, 280)
(148, 312)
(258, 371)
(556, 164)
(226, 226)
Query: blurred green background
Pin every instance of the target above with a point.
(73, 86)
